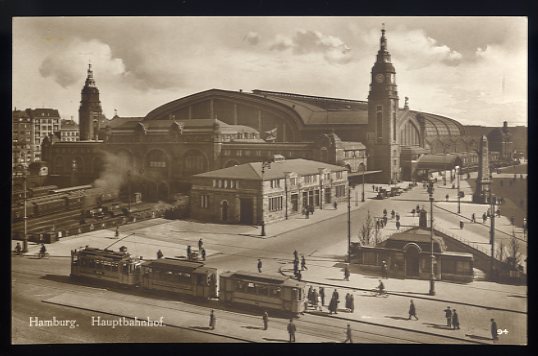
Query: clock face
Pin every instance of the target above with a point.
(379, 78)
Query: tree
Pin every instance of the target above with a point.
(514, 257)
(365, 232)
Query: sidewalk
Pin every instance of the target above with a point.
(507, 304)
(227, 323)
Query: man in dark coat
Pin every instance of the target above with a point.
(346, 273)
(412, 310)
(202, 252)
(303, 263)
(189, 251)
(159, 254)
(455, 320)
(494, 333)
(200, 244)
(212, 320)
(348, 334)
(448, 316)
(259, 265)
(291, 330)
(265, 318)
(322, 295)
(351, 303)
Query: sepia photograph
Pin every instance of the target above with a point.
(269, 179)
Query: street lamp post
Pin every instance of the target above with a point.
(348, 222)
(25, 237)
(432, 275)
(362, 195)
(459, 194)
(129, 189)
(265, 164)
(492, 201)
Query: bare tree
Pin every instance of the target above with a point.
(365, 232)
(514, 256)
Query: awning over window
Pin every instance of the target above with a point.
(438, 162)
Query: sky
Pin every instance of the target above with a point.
(472, 69)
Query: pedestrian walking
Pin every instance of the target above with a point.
(117, 233)
(385, 219)
(392, 213)
(303, 263)
(512, 220)
(159, 254)
(315, 298)
(42, 251)
(322, 295)
(202, 252)
(351, 303)
(384, 212)
(335, 204)
(418, 208)
(265, 319)
(397, 217)
(446, 197)
(348, 335)
(18, 249)
(473, 218)
(200, 244)
(413, 212)
(309, 294)
(212, 320)
(373, 188)
(332, 304)
(398, 225)
(189, 251)
(494, 333)
(484, 218)
(347, 302)
(346, 273)
(384, 270)
(412, 310)
(296, 255)
(291, 330)
(448, 316)
(455, 320)
(295, 267)
(259, 265)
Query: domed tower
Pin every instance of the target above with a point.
(384, 150)
(90, 112)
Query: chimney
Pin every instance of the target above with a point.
(505, 124)
(406, 105)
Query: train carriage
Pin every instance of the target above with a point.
(105, 265)
(180, 276)
(262, 290)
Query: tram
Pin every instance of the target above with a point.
(180, 277)
(105, 265)
(184, 277)
(262, 290)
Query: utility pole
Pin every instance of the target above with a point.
(25, 237)
(363, 170)
(432, 275)
(265, 164)
(492, 200)
(348, 222)
(459, 194)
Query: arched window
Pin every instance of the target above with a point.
(379, 123)
(156, 159)
(195, 162)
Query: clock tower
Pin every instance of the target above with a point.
(90, 112)
(383, 146)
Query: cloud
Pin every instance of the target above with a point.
(65, 65)
(252, 38)
(333, 49)
(415, 49)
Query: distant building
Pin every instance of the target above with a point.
(69, 131)
(243, 195)
(46, 121)
(22, 138)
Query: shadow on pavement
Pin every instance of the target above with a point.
(275, 340)
(478, 337)
(252, 327)
(201, 327)
(438, 326)
(396, 317)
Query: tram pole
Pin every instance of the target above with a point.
(348, 221)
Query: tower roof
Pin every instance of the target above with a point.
(89, 85)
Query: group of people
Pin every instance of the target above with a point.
(297, 263)
(308, 210)
(315, 299)
(452, 318)
(201, 250)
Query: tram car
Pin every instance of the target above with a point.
(183, 277)
(262, 290)
(180, 277)
(105, 266)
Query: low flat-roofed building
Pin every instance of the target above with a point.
(243, 194)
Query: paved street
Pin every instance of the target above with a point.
(323, 241)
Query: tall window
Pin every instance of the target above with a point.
(394, 127)
(379, 122)
(275, 204)
(204, 201)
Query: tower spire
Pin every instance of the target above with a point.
(383, 40)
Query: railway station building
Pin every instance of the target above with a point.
(159, 153)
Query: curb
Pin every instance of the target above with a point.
(407, 295)
(406, 329)
(466, 218)
(173, 326)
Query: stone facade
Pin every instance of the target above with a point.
(240, 195)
